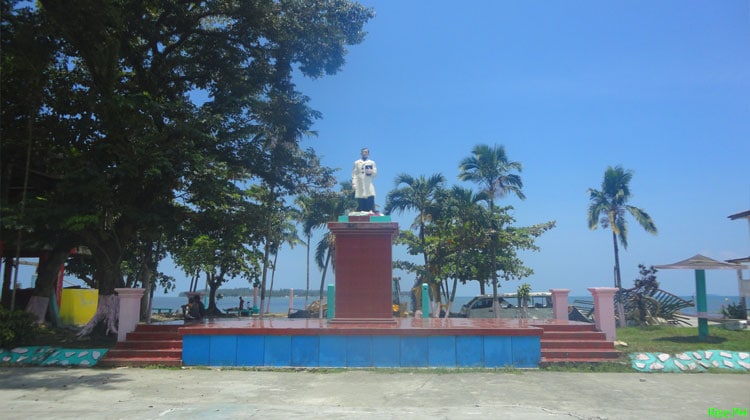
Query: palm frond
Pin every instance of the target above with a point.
(403, 178)
(620, 228)
(643, 219)
(490, 168)
(321, 250)
(598, 206)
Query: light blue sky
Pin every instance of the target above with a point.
(568, 87)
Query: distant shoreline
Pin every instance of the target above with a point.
(714, 302)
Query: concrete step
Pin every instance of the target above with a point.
(580, 354)
(158, 327)
(568, 327)
(574, 335)
(138, 335)
(577, 344)
(140, 353)
(149, 344)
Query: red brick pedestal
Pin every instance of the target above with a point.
(363, 270)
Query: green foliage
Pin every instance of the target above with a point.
(461, 235)
(15, 327)
(523, 291)
(140, 113)
(644, 309)
(734, 311)
(607, 367)
(647, 280)
(490, 168)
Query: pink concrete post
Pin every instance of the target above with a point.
(560, 303)
(604, 310)
(130, 310)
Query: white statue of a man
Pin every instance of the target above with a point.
(363, 173)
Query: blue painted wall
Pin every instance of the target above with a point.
(362, 351)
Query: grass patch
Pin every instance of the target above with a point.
(671, 339)
(619, 366)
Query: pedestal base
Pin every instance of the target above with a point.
(364, 271)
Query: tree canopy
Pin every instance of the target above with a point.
(134, 112)
(461, 234)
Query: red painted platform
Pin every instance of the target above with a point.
(561, 341)
(399, 327)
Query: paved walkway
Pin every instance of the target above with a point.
(352, 394)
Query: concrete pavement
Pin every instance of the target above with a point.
(133, 393)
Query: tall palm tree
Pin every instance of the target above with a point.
(419, 194)
(286, 234)
(310, 219)
(490, 168)
(323, 252)
(607, 208)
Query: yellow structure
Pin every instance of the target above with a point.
(77, 306)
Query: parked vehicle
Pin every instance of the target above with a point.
(539, 306)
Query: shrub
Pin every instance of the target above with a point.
(15, 327)
(734, 311)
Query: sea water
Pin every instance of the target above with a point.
(280, 304)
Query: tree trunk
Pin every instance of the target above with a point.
(107, 255)
(622, 322)
(307, 276)
(270, 289)
(146, 279)
(48, 274)
(214, 281)
(48, 271)
(495, 303)
(212, 288)
(451, 298)
(444, 290)
(322, 282)
(150, 294)
(107, 311)
(266, 253)
(7, 276)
